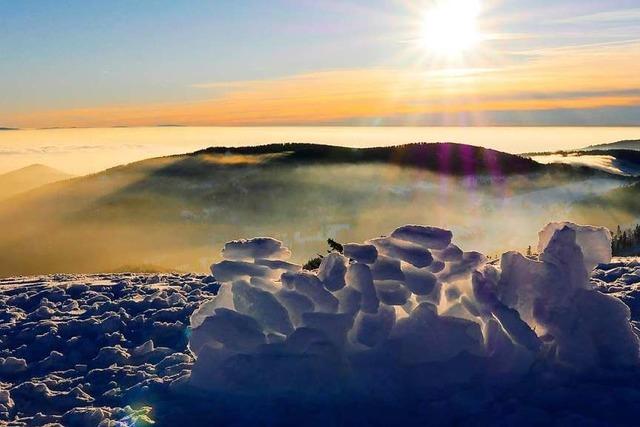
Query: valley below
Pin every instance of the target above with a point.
(166, 214)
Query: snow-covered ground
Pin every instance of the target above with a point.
(119, 349)
(80, 349)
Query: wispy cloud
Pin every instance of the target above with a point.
(598, 48)
(65, 149)
(613, 16)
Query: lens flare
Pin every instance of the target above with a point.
(450, 27)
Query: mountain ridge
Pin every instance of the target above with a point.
(168, 211)
(28, 178)
(449, 158)
(625, 144)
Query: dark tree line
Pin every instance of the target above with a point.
(626, 242)
(314, 263)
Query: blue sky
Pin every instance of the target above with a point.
(87, 63)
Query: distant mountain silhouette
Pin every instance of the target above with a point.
(445, 158)
(614, 160)
(28, 178)
(626, 160)
(629, 144)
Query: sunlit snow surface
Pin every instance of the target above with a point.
(77, 350)
(405, 329)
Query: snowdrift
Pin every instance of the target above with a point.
(407, 313)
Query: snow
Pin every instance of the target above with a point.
(429, 237)
(420, 281)
(392, 292)
(366, 254)
(309, 285)
(12, 365)
(403, 251)
(261, 305)
(594, 242)
(107, 341)
(256, 248)
(360, 279)
(368, 338)
(396, 312)
(373, 329)
(227, 271)
(332, 270)
(387, 268)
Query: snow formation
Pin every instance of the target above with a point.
(407, 312)
(407, 329)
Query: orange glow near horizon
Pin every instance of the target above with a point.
(334, 96)
(443, 81)
(398, 63)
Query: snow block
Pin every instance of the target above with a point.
(414, 308)
(258, 247)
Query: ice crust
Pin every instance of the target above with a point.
(405, 305)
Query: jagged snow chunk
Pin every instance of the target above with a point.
(228, 328)
(419, 281)
(258, 247)
(405, 251)
(359, 277)
(373, 329)
(276, 264)
(456, 270)
(365, 254)
(262, 306)
(554, 297)
(295, 303)
(144, 348)
(332, 270)
(310, 286)
(594, 242)
(228, 271)
(224, 299)
(12, 365)
(392, 292)
(349, 299)
(387, 268)
(448, 254)
(378, 309)
(426, 337)
(334, 326)
(429, 237)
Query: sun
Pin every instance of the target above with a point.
(450, 27)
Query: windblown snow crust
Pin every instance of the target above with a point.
(411, 311)
(95, 350)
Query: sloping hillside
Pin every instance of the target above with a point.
(616, 161)
(629, 144)
(169, 212)
(28, 178)
(446, 158)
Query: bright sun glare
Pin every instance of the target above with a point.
(450, 27)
